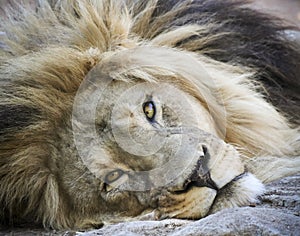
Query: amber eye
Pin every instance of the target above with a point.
(113, 176)
(149, 110)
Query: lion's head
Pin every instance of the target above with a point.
(122, 118)
(151, 140)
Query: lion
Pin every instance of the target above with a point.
(121, 110)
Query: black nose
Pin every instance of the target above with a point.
(200, 176)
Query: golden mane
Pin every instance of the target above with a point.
(48, 52)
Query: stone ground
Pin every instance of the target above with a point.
(277, 214)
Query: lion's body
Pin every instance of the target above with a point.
(247, 95)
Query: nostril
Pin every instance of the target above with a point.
(205, 150)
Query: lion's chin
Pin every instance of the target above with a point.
(198, 202)
(193, 204)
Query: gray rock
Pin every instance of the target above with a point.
(135, 228)
(277, 214)
(237, 221)
(283, 194)
(244, 221)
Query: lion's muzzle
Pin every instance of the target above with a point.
(194, 195)
(200, 176)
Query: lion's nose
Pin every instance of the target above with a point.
(200, 175)
(197, 179)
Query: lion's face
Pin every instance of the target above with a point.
(149, 146)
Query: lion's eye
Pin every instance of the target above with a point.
(113, 176)
(149, 110)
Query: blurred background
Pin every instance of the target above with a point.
(287, 9)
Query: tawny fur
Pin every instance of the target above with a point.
(46, 54)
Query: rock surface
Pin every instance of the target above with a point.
(239, 221)
(277, 214)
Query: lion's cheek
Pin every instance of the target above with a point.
(193, 204)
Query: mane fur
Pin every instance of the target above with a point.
(46, 52)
